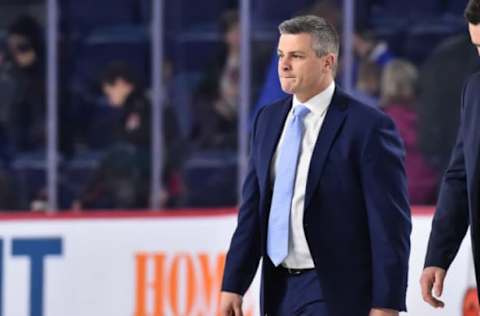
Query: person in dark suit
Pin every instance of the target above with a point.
(325, 199)
(458, 202)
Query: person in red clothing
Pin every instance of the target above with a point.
(398, 99)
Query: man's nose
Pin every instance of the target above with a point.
(285, 65)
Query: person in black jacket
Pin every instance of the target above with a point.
(217, 98)
(123, 178)
(458, 202)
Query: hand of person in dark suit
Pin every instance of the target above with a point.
(383, 312)
(432, 277)
(230, 304)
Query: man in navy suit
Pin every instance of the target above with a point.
(325, 198)
(458, 202)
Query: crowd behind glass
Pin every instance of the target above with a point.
(104, 99)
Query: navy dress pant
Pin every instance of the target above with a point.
(296, 294)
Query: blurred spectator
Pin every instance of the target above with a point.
(129, 117)
(23, 102)
(371, 56)
(367, 47)
(217, 99)
(26, 117)
(368, 82)
(398, 99)
(122, 181)
(441, 80)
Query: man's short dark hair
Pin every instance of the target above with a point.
(228, 20)
(118, 70)
(29, 28)
(472, 12)
(325, 37)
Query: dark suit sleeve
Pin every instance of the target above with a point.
(244, 253)
(450, 222)
(385, 189)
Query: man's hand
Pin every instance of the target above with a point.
(383, 312)
(432, 277)
(230, 304)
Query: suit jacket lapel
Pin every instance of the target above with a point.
(273, 131)
(334, 119)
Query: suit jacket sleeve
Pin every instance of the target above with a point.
(385, 189)
(244, 253)
(450, 221)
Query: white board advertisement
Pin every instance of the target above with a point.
(153, 265)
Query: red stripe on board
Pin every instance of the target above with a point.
(102, 214)
(212, 212)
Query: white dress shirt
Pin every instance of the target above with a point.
(299, 256)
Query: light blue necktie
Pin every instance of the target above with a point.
(279, 219)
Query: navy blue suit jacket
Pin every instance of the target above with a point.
(457, 205)
(356, 218)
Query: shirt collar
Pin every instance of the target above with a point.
(319, 102)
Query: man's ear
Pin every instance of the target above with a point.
(330, 62)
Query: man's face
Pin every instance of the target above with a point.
(301, 71)
(21, 49)
(117, 92)
(475, 35)
(232, 38)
